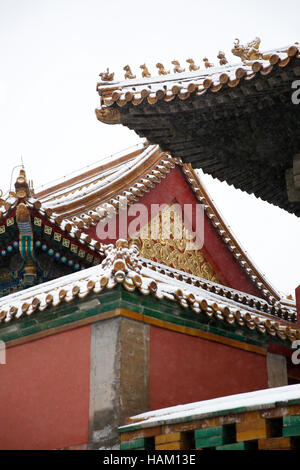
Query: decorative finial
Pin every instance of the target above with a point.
(207, 63)
(21, 186)
(249, 52)
(222, 58)
(145, 71)
(106, 76)
(192, 65)
(128, 73)
(161, 69)
(177, 68)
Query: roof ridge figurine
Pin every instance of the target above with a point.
(250, 52)
(207, 63)
(192, 67)
(145, 71)
(128, 73)
(222, 58)
(107, 76)
(161, 69)
(177, 68)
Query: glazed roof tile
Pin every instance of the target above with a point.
(182, 85)
(280, 308)
(122, 265)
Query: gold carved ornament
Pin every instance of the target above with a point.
(250, 52)
(128, 73)
(173, 251)
(145, 71)
(106, 76)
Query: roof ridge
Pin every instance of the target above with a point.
(246, 59)
(183, 84)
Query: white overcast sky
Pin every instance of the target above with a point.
(51, 52)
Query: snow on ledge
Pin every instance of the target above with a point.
(260, 399)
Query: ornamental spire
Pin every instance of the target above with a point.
(22, 188)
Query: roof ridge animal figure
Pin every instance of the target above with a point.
(192, 67)
(145, 71)
(207, 63)
(106, 76)
(222, 58)
(161, 69)
(128, 73)
(177, 68)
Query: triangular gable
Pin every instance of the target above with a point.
(154, 177)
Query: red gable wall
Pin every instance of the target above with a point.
(184, 369)
(44, 390)
(175, 187)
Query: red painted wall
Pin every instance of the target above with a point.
(185, 369)
(175, 188)
(44, 390)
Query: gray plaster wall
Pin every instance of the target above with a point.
(119, 378)
(277, 370)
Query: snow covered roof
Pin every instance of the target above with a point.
(215, 118)
(279, 309)
(94, 195)
(182, 84)
(98, 193)
(258, 400)
(97, 185)
(122, 265)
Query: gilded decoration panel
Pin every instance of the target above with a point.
(166, 240)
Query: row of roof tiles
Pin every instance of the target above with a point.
(122, 265)
(183, 85)
(286, 312)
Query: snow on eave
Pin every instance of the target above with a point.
(191, 287)
(261, 399)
